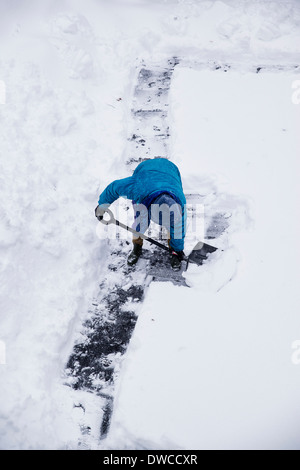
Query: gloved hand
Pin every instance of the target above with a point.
(177, 257)
(179, 254)
(99, 212)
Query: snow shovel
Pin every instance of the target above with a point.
(197, 255)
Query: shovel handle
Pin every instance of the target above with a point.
(111, 219)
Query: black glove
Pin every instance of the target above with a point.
(99, 212)
(179, 254)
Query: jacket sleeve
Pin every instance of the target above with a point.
(116, 189)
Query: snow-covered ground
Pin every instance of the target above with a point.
(209, 366)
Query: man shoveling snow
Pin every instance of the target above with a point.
(155, 189)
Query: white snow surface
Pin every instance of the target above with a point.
(211, 365)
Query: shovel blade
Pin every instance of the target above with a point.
(200, 252)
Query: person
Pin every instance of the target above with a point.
(155, 189)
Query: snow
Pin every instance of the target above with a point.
(208, 366)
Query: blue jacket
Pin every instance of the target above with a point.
(151, 177)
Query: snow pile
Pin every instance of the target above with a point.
(68, 70)
(53, 135)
